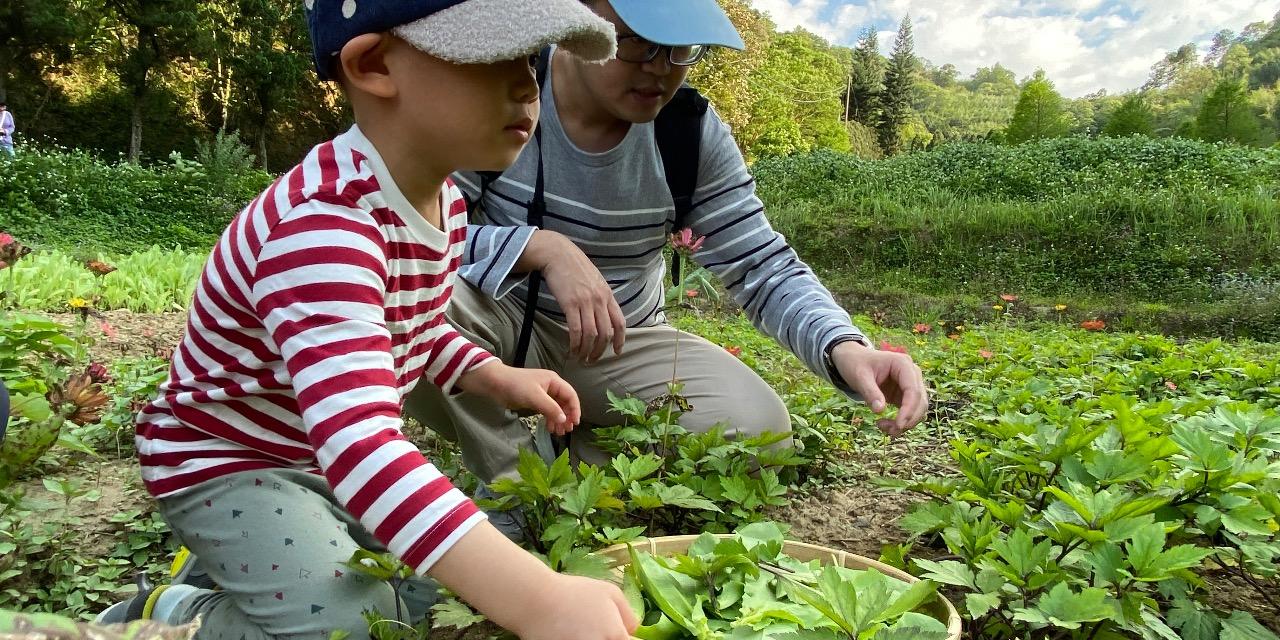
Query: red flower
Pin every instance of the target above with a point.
(98, 373)
(6, 240)
(11, 250)
(1008, 297)
(684, 241)
(986, 355)
(733, 350)
(922, 328)
(691, 293)
(885, 345)
(1170, 385)
(1093, 325)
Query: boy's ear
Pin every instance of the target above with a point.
(362, 65)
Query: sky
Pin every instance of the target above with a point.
(1083, 45)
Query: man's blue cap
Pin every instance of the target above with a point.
(679, 22)
(461, 31)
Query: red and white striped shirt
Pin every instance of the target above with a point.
(319, 309)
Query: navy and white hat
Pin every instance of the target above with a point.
(461, 31)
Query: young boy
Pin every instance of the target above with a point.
(275, 447)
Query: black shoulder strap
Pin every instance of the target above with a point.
(678, 131)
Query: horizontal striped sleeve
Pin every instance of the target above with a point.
(491, 255)
(778, 291)
(319, 287)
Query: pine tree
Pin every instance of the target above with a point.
(1133, 116)
(1039, 113)
(866, 81)
(899, 87)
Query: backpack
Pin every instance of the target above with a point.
(678, 131)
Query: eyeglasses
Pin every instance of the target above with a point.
(638, 50)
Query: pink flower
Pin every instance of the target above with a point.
(922, 328)
(107, 329)
(986, 355)
(885, 345)
(1170, 385)
(3, 265)
(733, 350)
(684, 241)
(5, 240)
(1008, 297)
(691, 293)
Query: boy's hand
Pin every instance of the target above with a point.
(535, 389)
(576, 608)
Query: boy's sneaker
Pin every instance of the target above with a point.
(143, 606)
(186, 569)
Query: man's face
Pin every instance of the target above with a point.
(631, 91)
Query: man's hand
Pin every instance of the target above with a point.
(536, 389)
(882, 376)
(591, 312)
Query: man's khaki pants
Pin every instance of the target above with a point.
(721, 389)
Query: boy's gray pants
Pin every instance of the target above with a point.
(720, 387)
(276, 542)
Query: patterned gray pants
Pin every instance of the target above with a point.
(276, 542)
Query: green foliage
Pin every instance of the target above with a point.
(1039, 113)
(1132, 117)
(797, 106)
(1089, 511)
(743, 586)
(1227, 116)
(152, 281)
(867, 80)
(661, 479)
(72, 201)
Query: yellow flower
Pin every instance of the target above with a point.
(959, 327)
(998, 307)
(78, 303)
(1061, 307)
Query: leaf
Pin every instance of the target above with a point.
(1192, 622)
(1242, 626)
(452, 614)
(978, 604)
(947, 572)
(915, 626)
(1061, 607)
(663, 587)
(684, 497)
(814, 599)
(918, 593)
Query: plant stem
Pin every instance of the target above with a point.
(1244, 573)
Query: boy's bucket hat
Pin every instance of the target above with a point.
(679, 22)
(461, 31)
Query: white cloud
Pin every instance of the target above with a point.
(1084, 45)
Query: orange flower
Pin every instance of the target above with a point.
(691, 293)
(922, 328)
(99, 268)
(953, 336)
(1008, 297)
(85, 397)
(986, 355)
(1093, 325)
(885, 345)
(734, 351)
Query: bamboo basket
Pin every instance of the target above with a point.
(940, 608)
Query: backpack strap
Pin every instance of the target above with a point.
(678, 130)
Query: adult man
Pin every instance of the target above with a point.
(6, 129)
(607, 217)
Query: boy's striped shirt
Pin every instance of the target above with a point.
(321, 307)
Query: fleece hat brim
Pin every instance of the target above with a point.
(485, 31)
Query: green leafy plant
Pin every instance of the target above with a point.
(743, 586)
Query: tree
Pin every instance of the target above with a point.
(995, 80)
(1132, 117)
(1227, 116)
(1165, 72)
(1039, 113)
(797, 98)
(725, 75)
(899, 87)
(39, 30)
(866, 83)
(272, 60)
(150, 35)
(1221, 42)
